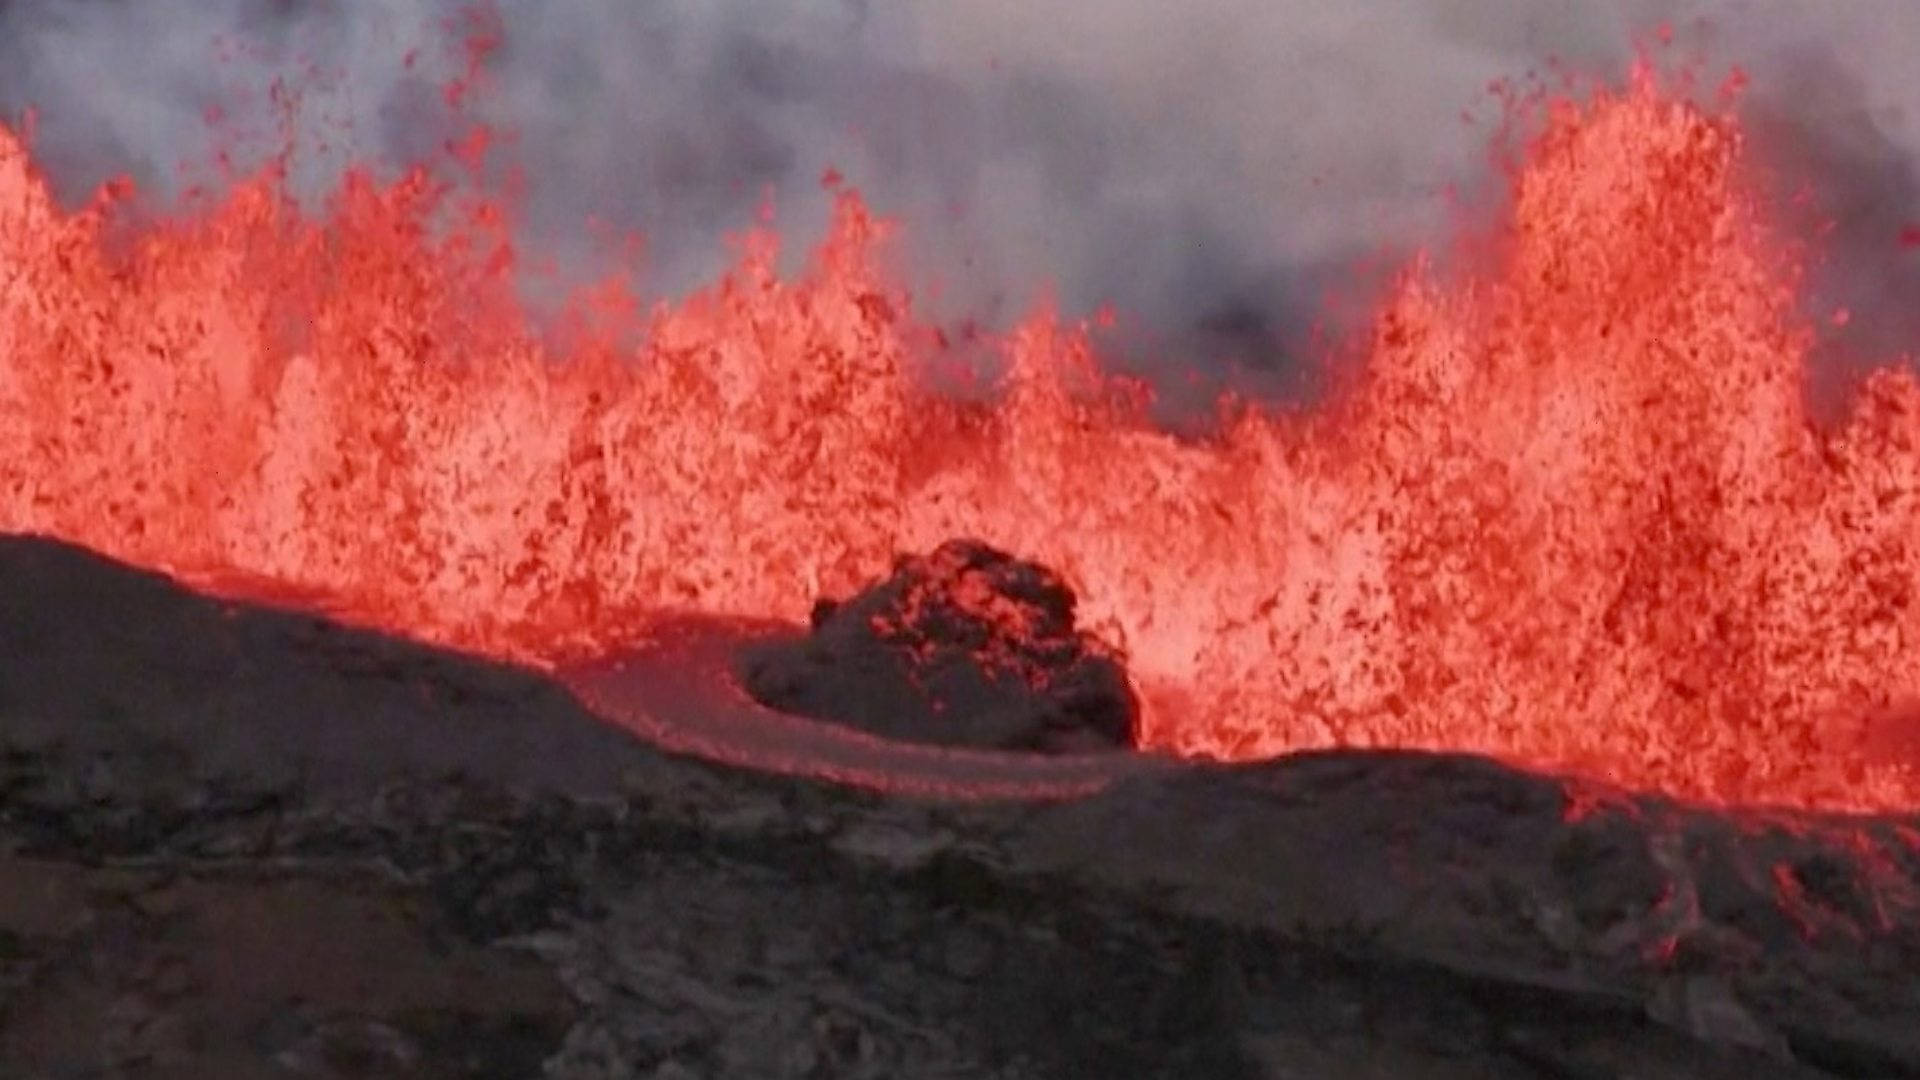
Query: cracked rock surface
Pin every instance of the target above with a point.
(963, 646)
(242, 843)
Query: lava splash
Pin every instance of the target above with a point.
(1568, 509)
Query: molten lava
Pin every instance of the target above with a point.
(1569, 510)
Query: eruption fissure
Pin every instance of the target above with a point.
(1569, 509)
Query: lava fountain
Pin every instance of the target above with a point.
(1568, 508)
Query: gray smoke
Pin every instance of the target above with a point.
(1209, 167)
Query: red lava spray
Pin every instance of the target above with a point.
(1568, 508)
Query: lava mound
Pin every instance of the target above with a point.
(967, 646)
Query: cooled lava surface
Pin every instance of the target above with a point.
(1575, 923)
(965, 646)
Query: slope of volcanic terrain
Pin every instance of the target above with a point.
(246, 842)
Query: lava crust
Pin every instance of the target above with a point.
(966, 646)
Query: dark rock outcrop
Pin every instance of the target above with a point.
(966, 646)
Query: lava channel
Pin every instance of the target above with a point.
(680, 692)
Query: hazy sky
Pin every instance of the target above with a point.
(1206, 165)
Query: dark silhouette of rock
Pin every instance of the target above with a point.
(237, 841)
(966, 646)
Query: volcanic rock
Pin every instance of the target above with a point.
(966, 646)
(241, 842)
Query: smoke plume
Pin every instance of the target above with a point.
(1209, 168)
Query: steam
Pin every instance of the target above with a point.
(1208, 167)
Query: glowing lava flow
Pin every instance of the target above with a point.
(679, 693)
(1569, 511)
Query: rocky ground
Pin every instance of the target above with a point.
(239, 843)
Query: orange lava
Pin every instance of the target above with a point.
(1568, 509)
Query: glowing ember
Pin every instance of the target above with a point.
(1570, 511)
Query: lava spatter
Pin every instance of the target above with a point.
(1569, 509)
